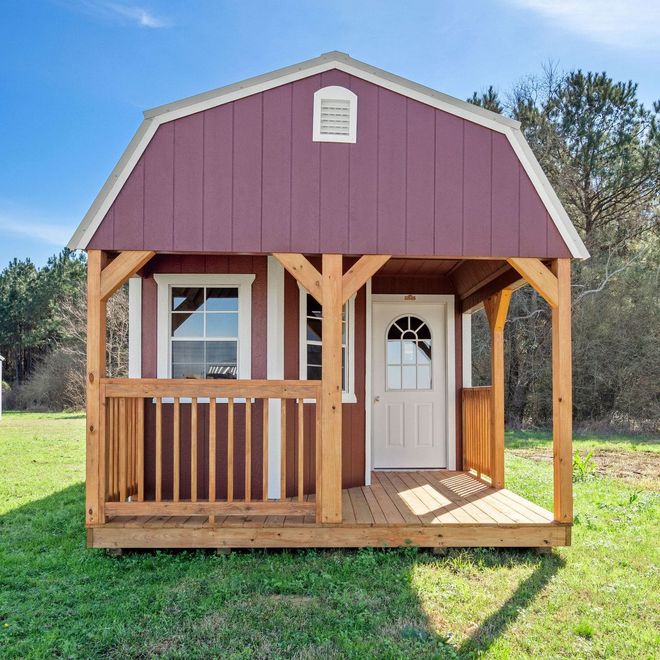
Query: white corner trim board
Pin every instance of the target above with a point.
(274, 368)
(135, 327)
(326, 62)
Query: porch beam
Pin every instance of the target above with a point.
(539, 276)
(329, 447)
(496, 308)
(95, 430)
(125, 265)
(303, 271)
(562, 395)
(360, 272)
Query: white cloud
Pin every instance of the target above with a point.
(18, 221)
(127, 13)
(622, 23)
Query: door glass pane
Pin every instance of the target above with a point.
(408, 352)
(409, 378)
(393, 352)
(424, 352)
(424, 377)
(393, 378)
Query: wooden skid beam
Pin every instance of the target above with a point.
(538, 276)
(562, 395)
(121, 268)
(302, 270)
(254, 508)
(332, 536)
(358, 274)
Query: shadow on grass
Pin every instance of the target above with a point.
(543, 439)
(58, 598)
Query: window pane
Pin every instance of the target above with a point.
(343, 369)
(314, 329)
(187, 352)
(409, 350)
(314, 354)
(313, 373)
(394, 352)
(393, 378)
(222, 325)
(414, 322)
(424, 377)
(409, 378)
(424, 332)
(187, 324)
(221, 352)
(187, 299)
(394, 332)
(222, 300)
(313, 307)
(424, 352)
(187, 371)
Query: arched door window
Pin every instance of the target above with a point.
(409, 356)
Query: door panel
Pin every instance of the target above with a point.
(409, 385)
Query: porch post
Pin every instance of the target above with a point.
(95, 444)
(496, 310)
(562, 394)
(329, 451)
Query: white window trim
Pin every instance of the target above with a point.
(348, 395)
(466, 347)
(165, 282)
(335, 93)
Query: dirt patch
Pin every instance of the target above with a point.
(295, 599)
(631, 466)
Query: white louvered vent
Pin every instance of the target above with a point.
(335, 115)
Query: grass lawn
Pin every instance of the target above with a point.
(599, 598)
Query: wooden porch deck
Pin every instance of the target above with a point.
(423, 508)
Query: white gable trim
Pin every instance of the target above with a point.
(326, 62)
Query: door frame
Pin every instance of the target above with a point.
(450, 377)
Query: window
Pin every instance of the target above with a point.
(311, 317)
(408, 354)
(335, 115)
(204, 326)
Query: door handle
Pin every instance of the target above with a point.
(377, 399)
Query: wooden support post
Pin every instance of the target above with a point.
(562, 395)
(329, 451)
(95, 443)
(496, 309)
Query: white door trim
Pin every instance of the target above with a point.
(450, 422)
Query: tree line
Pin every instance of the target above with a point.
(599, 146)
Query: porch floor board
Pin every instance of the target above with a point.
(425, 508)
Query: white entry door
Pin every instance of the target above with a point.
(409, 384)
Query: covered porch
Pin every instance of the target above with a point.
(207, 478)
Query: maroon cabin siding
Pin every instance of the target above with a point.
(247, 177)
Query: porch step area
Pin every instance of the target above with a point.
(425, 508)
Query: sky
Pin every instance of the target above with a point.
(75, 75)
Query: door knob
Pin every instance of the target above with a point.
(376, 399)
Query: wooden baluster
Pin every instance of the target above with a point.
(264, 450)
(109, 451)
(301, 443)
(283, 450)
(176, 450)
(159, 449)
(123, 449)
(130, 408)
(140, 449)
(230, 449)
(115, 452)
(212, 453)
(248, 449)
(193, 449)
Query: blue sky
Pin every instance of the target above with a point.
(75, 75)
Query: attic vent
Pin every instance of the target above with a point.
(335, 115)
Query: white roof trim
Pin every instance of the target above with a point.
(333, 60)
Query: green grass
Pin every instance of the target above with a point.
(598, 598)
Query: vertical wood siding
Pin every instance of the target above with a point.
(247, 177)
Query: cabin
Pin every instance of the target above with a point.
(303, 251)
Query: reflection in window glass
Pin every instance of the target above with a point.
(409, 354)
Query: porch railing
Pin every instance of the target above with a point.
(477, 431)
(180, 447)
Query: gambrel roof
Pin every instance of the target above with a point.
(513, 171)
